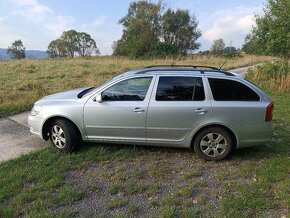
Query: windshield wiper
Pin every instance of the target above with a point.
(82, 93)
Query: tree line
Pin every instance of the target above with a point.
(151, 30)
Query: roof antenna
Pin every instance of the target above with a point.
(223, 64)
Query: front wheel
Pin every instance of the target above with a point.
(64, 135)
(213, 143)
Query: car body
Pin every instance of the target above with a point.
(160, 105)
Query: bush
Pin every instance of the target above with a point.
(274, 75)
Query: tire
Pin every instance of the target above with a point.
(213, 143)
(64, 136)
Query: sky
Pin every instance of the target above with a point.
(38, 22)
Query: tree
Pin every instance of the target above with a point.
(251, 45)
(56, 48)
(272, 32)
(217, 47)
(72, 43)
(150, 32)
(86, 46)
(70, 40)
(180, 30)
(231, 51)
(17, 50)
(141, 29)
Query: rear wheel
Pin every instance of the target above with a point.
(64, 135)
(213, 143)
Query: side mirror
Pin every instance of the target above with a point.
(98, 98)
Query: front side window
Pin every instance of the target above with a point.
(180, 89)
(134, 89)
(229, 90)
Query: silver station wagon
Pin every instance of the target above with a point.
(203, 108)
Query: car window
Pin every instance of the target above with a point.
(180, 89)
(128, 90)
(229, 90)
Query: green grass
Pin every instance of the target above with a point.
(262, 183)
(35, 183)
(254, 182)
(163, 182)
(115, 203)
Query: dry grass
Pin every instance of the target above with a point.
(280, 84)
(25, 81)
(272, 76)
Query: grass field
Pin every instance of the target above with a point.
(128, 181)
(25, 81)
(124, 181)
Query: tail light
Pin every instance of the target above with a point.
(269, 112)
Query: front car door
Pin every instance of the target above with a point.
(121, 114)
(177, 106)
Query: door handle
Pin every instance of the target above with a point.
(138, 109)
(200, 110)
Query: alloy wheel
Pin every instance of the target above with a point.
(58, 136)
(213, 144)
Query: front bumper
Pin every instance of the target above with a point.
(35, 124)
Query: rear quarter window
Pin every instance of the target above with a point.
(230, 90)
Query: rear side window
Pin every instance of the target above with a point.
(229, 90)
(180, 89)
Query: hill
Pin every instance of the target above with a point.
(31, 54)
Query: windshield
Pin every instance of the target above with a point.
(88, 90)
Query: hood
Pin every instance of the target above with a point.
(63, 96)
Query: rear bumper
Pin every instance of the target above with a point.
(250, 136)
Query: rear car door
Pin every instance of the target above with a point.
(177, 106)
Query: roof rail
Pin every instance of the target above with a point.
(148, 70)
(190, 66)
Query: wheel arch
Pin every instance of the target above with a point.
(233, 135)
(49, 121)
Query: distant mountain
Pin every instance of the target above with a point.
(30, 54)
(3, 54)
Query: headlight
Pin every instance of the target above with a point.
(35, 110)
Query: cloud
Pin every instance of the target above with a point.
(58, 24)
(31, 9)
(2, 19)
(231, 25)
(9, 36)
(38, 13)
(104, 32)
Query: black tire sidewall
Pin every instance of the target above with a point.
(71, 135)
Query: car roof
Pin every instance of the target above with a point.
(182, 70)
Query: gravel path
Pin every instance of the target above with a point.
(15, 137)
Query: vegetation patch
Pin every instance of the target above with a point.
(273, 76)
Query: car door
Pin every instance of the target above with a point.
(121, 113)
(177, 106)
